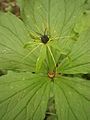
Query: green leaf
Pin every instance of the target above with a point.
(78, 61)
(72, 98)
(13, 38)
(56, 16)
(23, 96)
(41, 58)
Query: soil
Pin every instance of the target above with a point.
(10, 5)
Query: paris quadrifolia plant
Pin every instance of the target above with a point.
(45, 52)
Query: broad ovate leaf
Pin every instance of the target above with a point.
(72, 98)
(57, 17)
(78, 60)
(23, 96)
(13, 38)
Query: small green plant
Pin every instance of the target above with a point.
(46, 52)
